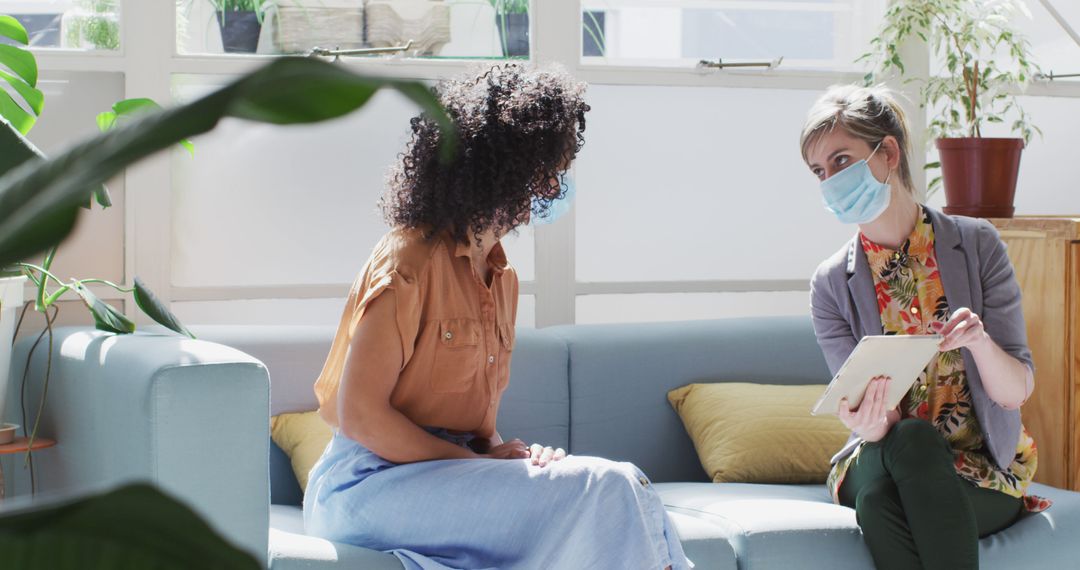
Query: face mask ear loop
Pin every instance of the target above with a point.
(872, 153)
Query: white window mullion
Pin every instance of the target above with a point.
(556, 38)
(149, 42)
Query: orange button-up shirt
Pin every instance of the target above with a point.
(456, 332)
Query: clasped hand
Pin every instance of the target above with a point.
(516, 449)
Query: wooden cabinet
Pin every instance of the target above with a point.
(1046, 254)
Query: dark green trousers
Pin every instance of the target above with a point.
(913, 509)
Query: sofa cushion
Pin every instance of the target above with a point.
(303, 436)
(780, 526)
(759, 433)
(703, 541)
(291, 548)
(620, 376)
(535, 406)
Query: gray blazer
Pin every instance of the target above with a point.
(975, 273)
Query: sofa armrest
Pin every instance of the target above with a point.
(189, 416)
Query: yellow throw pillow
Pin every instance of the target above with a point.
(303, 437)
(759, 433)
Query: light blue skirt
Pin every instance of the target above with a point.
(581, 512)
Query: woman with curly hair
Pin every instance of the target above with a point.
(412, 384)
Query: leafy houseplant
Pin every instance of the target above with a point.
(986, 62)
(512, 20)
(15, 151)
(94, 24)
(241, 23)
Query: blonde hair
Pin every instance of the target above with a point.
(867, 113)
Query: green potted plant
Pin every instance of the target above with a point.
(27, 103)
(986, 62)
(240, 22)
(92, 24)
(512, 20)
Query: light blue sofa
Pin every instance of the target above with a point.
(192, 417)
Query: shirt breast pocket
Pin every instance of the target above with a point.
(457, 356)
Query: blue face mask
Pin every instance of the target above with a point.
(854, 195)
(559, 206)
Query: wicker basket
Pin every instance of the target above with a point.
(299, 25)
(395, 22)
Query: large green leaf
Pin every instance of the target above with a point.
(127, 109)
(22, 120)
(13, 29)
(134, 527)
(21, 62)
(106, 317)
(15, 150)
(287, 91)
(33, 96)
(155, 309)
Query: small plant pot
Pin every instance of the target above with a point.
(980, 175)
(513, 34)
(239, 31)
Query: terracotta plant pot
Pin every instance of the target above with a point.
(980, 175)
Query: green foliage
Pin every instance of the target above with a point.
(18, 68)
(129, 108)
(510, 6)
(986, 61)
(96, 27)
(240, 5)
(133, 527)
(259, 7)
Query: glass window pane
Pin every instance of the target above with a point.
(526, 316)
(325, 312)
(470, 29)
(72, 102)
(520, 252)
(1051, 45)
(261, 204)
(708, 185)
(658, 307)
(68, 24)
(260, 312)
(815, 34)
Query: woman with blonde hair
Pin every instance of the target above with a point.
(952, 462)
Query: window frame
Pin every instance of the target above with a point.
(148, 59)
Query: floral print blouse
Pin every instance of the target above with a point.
(910, 297)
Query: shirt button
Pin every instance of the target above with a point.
(449, 335)
(914, 310)
(644, 482)
(491, 359)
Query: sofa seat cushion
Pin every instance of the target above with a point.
(798, 526)
(704, 542)
(291, 549)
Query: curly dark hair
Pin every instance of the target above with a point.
(518, 128)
